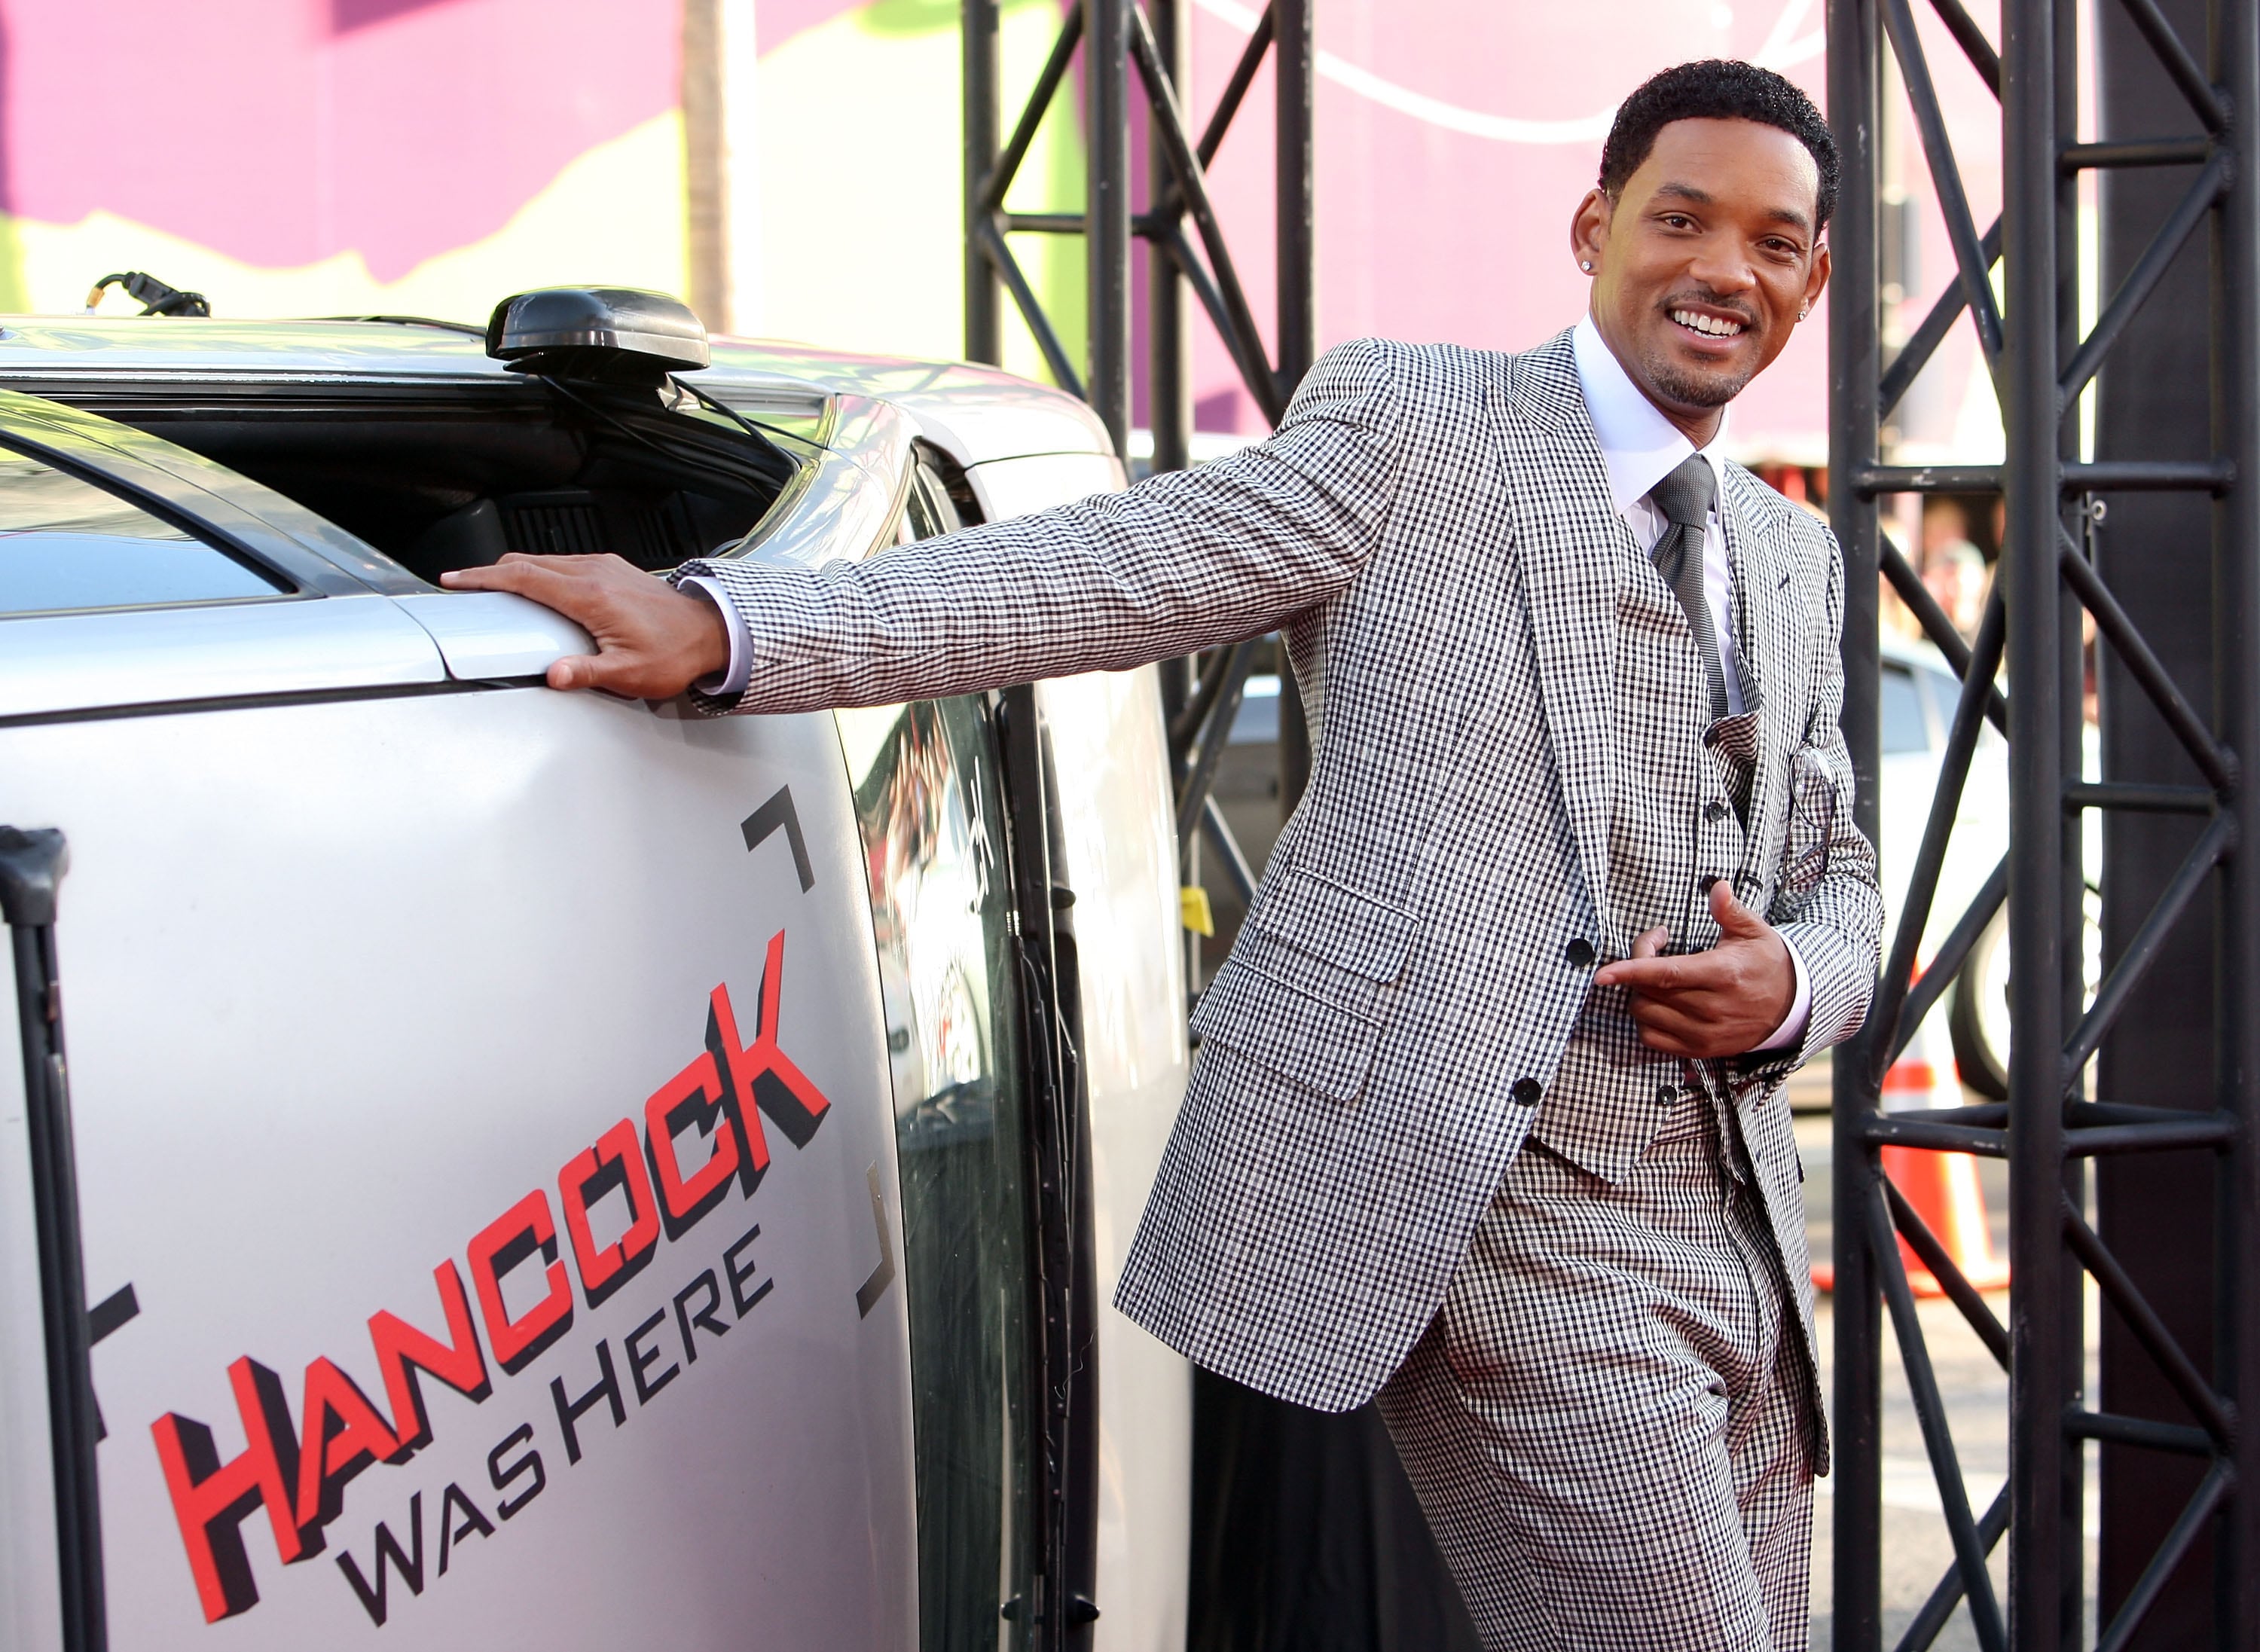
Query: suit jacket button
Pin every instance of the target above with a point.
(1714, 809)
(1580, 952)
(1665, 1095)
(1525, 1092)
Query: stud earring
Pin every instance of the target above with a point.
(1586, 264)
(1801, 314)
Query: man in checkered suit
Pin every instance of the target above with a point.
(1487, 1118)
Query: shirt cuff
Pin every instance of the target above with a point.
(731, 681)
(1790, 1032)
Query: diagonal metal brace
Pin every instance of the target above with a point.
(1945, 177)
(1937, 1436)
(2207, 1406)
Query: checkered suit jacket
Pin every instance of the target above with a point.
(1429, 526)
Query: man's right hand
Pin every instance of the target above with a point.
(653, 641)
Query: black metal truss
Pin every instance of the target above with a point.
(2050, 1126)
(1201, 697)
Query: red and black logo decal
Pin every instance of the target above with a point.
(725, 1098)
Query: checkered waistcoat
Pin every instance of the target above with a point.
(1432, 530)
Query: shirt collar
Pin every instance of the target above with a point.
(1639, 446)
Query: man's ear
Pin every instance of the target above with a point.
(1816, 280)
(1589, 229)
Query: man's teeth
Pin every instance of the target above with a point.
(1711, 324)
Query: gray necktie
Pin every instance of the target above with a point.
(1685, 498)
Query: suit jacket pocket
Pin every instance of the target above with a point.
(1318, 1040)
(1331, 921)
(1306, 990)
(1817, 795)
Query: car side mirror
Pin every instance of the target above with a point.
(597, 335)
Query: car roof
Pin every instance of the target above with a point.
(976, 414)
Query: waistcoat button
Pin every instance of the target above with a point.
(1580, 952)
(1525, 1092)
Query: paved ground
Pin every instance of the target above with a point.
(1916, 1551)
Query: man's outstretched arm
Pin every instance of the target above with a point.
(1185, 561)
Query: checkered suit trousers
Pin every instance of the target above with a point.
(1654, 1490)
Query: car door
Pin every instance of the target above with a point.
(484, 1136)
(1053, 1436)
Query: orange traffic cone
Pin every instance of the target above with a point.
(1942, 1187)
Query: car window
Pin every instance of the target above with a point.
(929, 510)
(67, 544)
(928, 799)
(1945, 695)
(1899, 705)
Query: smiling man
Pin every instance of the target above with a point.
(1486, 1117)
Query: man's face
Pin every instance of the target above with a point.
(1703, 265)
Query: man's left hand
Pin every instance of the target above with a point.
(1702, 1005)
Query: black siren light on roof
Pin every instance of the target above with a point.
(612, 336)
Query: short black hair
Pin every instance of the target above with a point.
(1716, 89)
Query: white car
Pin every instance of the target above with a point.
(1918, 693)
(547, 1170)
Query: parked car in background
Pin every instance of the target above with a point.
(551, 1171)
(1916, 697)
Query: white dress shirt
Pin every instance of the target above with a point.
(1639, 447)
(731, 680)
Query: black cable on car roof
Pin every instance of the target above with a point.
(752, 425)
(631, 431)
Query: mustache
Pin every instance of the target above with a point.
(1741, 309)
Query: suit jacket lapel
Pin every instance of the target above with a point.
(1573, 549)
(1759, 572)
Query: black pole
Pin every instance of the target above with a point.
(1168, 395)
(1106, 212)
(979, 22)
(2233, 50)
(2067, 1290)
(2039, 1358)
(1169, 373)
(1854, 370)
(31, 867)
(1296, 54)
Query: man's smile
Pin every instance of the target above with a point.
(1706, 325)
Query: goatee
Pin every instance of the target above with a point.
(1698, 389)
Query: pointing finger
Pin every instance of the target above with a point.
(1648, 975)
(1645, 945)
